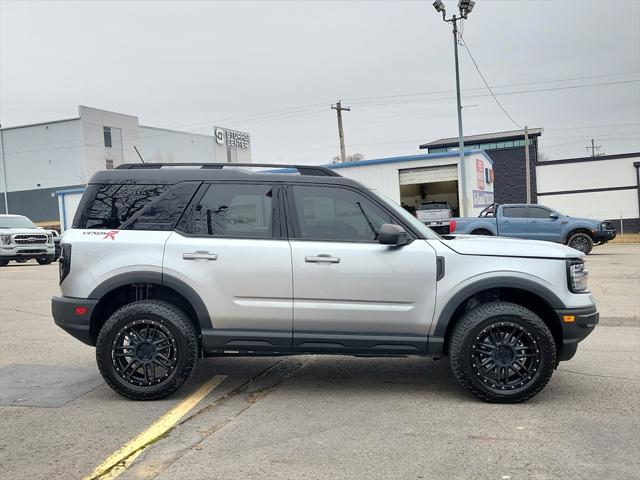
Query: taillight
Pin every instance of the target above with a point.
(64, 264)
(452, 226)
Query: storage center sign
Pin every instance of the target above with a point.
(232, 138)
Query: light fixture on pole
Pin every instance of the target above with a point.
(464, 8)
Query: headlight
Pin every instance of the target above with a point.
(577, 276)
(49, 238)
(5, 239)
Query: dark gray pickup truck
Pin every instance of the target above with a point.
(537, 223)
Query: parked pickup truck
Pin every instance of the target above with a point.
(22, 240)
(538, 223)
(435, 215)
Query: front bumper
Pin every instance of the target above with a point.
(78, 325)
(19, 252)
(604, 235)
(577, 324)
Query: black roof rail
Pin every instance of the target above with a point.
(312, 170)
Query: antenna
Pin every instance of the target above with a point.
(136, 149)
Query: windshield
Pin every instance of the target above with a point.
(407, 217)
(16, 222)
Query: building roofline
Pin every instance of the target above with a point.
(178, 131)
(40, 123)
(107, 111)
(588, 159)
(406, 158)
(508, 135)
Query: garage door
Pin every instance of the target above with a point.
(443, 173)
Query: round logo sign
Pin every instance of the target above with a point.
(220, 136)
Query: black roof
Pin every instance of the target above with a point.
(155, 173)
(483, 138)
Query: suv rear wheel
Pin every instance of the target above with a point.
(147, 349)
(502, 352)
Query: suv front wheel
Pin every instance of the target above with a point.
(147, 349)
(502, 352)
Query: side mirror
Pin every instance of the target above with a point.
(553, 216)
(391, 234)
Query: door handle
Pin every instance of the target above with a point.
(322, 258)
(199, 256)
(506, 221)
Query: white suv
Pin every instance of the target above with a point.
(165, 264)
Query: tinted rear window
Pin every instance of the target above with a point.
(434, 206)
(113, 205)
(514, 212)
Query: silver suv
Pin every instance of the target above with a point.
(165, 264)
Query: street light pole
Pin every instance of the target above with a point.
(4, 173)
(464, 7)
(463, 170)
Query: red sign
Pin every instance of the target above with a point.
(480, 173)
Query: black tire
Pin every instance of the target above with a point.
(4, 263)
(524, 377)
(178, 340)
(45, 259)
(581, 241)
(482, 231)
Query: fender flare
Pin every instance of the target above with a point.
(161, 279)
(486, 284)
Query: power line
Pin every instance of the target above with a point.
(464, 44)
(508, 85)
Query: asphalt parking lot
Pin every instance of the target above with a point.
(319, 416)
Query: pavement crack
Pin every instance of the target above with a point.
(599, 376)
(17, 310)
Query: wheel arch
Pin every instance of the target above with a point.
(527, 293)
(131, 286)
(578, 229)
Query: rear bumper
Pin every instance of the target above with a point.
(604, 235)
(77, 325)
(577, 324)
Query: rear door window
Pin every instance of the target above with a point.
(514, 212)
(233, 210)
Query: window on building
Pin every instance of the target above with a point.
(337, 214)
(108, 164)
(233, 211)
(107, 136)
(514, 212)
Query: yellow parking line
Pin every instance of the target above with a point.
(120, 460)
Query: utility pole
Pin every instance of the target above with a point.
(4, 173)
(594, 148)
(527, 163)
(464, 8)
(339, 108)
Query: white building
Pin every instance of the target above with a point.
(436, 177)
(605, 188)
(40, 159)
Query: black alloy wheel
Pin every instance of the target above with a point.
(502, 352)
(505, 356)
(147, 349)
(581, 242)
(144, 352)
